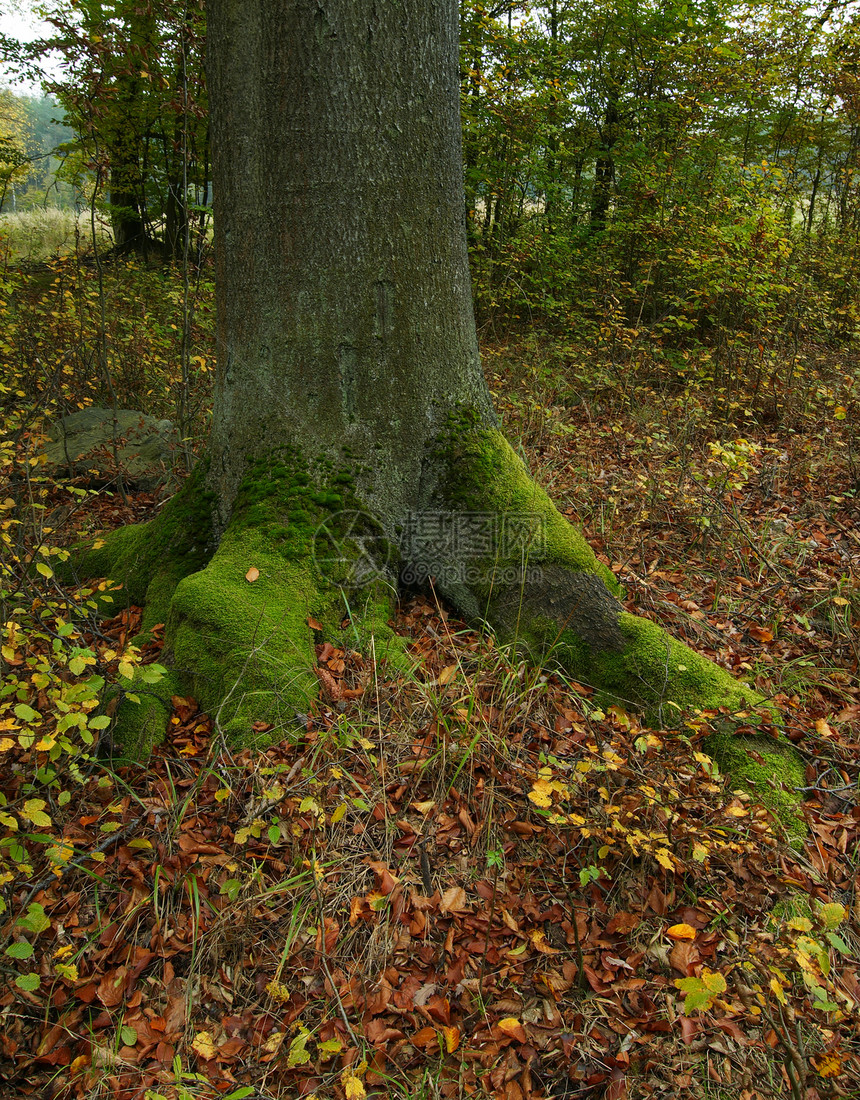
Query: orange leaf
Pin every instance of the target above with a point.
(425, 1037)
(681, 932)
(512, 1027)
(452, 1038)
(252, 574)
(313, 624)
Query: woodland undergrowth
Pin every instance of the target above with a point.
(469, 881)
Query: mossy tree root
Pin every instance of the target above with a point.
(242, 617)
(538, 584)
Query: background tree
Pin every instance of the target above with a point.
(134, 93)
(14, 162)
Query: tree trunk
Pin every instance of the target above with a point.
(353, 436)
(344, 300)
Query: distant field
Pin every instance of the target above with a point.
(32, 235)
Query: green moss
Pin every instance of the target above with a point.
(771, 769)
(150, 559)
(483, 473)
(245, 648)
(667, 676)
(139, 726)
(794, 904)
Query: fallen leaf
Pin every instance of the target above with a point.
(454, 900)
(512, 1027)
(252, 574)
(204, 1045)
(681, 932)
(452, 1038)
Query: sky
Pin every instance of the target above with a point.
(18, 21)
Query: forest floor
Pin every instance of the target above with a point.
(471, 881)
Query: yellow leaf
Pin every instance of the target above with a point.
(338, 814)
(777, 991)
(538, 938)
(6, 743)
(664, 858)
(447, 674)
(204, 1045)
(45, 570)
(33, 811)
(714, 980)
(299, 1054)
(823, 729)
(828, 1064)
(541, 793)
(353, 1087)
(273, 1044)
(681, 932)
(832, 915)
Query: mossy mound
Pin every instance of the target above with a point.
(546, 591)
(150, 559)
(139, 725)
(246, 647)
(769, 768)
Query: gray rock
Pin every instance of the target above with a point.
(83, 444)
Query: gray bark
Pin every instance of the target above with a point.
(344, 301)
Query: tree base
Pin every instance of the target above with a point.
(242, 619)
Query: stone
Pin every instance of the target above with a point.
(82, 444)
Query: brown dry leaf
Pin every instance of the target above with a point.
(313, 624)
(252, 574)
(111, 987)
(683, 956)
(447, 674)
(454, 900)
(385, 879)
(622, 922)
